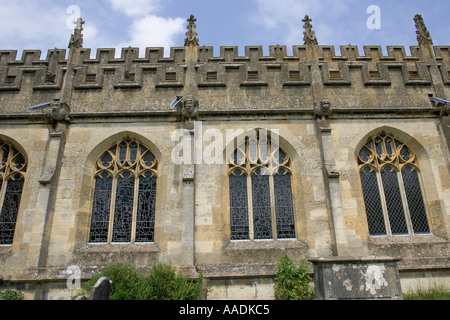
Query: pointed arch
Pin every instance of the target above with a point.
(390, 179)
(124, 172)
(260, 187)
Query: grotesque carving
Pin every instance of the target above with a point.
(59, 112)
(324, 108)
(189, 108)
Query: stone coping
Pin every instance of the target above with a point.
(346, 260)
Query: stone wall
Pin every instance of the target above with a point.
(324, 106)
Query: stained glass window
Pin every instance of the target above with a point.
(145, 223)
(262, 211)
(12, 177)
(100, 208)
(374, 209)
(123, 209)
(239, 206)
(261, 203)
(284, 211)
(392, 191)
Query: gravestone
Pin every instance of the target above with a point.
(357, 278)
(101, 290)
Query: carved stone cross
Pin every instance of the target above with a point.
(423, 36)
(76, 40)
(309, 35)
(191, 35)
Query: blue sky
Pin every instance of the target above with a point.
(45, 24)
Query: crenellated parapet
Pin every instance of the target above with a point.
(47, 74)
(254, 67)
(134, 80)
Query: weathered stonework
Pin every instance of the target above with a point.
(353, 278)
(324, 106)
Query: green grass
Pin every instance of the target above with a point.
(437, 292)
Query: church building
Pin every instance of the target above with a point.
(220, 163)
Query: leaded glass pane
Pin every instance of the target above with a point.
(148, 159)
(123, 212)
(405, 153)
(239, 206)
(389, 147)
(5, 153)
(284, 206)
(100, 209)
(253, 150)
(106, 160)
(364, 155)
(145, 224)
(133, 151)
(394, 202)
(372, 201)
(415, 200)
(378, 147)
(19, 162)
(262, 216)
(10, 209)
(123, 151)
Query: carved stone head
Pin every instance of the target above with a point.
(324, 108)
(59, 111)
(190, 108)
(325, 105)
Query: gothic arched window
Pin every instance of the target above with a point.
(123, 209)
(260, 191)
(390, 179)
(12, 177)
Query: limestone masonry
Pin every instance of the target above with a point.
(88, 176)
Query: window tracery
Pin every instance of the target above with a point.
(13, 167)
(260, 190)
(123, 209)
(392, 192)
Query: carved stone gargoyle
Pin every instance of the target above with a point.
(59, 111)
(324, 109)
(189, 109)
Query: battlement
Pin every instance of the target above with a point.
(211, 69)
(206, 54)
(251, 81)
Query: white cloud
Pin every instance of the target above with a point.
(136, 7)
(36, 27)
(288, 15)
(154, 31)
(147, 28)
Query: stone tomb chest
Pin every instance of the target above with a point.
(357, 278)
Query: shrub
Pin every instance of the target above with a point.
(10, 294)
(125, 281)
(162, 283)
(292, 282)
(166, 284)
